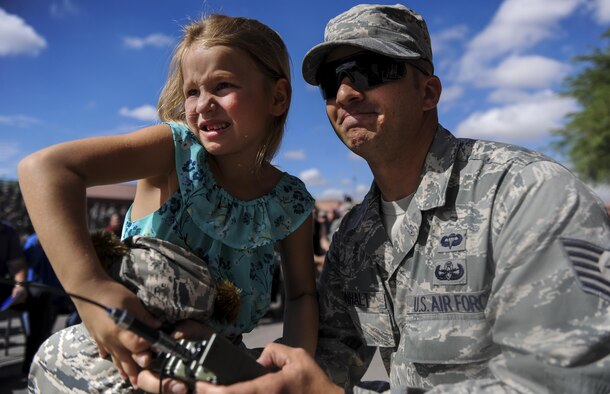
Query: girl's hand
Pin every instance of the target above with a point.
(149, 381)
(111, 340)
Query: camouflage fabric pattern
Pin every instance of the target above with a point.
(171, 282)
(69, 362)
(395, 31)
(484, 290)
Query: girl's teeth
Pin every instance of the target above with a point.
(217, 127)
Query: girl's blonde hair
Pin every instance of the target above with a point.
(259, 41)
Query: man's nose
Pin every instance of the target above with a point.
(347, 91)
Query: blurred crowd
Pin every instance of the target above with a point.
(327, 219)
(22, 259)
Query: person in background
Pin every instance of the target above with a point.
(341, 211)
(206, 184)
(320, 242)
(16, 264)
(473, 266)
(13, 268)
(115, 225)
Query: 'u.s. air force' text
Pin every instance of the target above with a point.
(448, 303)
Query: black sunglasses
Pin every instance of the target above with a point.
(364, 70)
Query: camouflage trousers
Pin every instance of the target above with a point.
(69, 362)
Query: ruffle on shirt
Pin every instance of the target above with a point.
(236, 223)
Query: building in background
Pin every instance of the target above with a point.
(102, 203)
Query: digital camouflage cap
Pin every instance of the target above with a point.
(391, 30)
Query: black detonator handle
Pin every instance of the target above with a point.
(230, 363)
(156, 338)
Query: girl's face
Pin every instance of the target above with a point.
(228, 102)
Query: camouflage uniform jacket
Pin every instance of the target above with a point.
(500, 283)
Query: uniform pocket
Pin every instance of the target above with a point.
(375, 326)
(447, 339)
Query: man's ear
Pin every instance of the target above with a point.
(432, 92)
(281, 97)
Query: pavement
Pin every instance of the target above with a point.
(13, 382)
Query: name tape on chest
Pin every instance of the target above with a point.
(367, 300)
(447, 303)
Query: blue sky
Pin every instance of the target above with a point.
(71, 69)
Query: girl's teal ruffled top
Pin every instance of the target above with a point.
(235, 238)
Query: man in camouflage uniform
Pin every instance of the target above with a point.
(473, 266)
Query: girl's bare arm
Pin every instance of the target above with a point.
(301, 313)
(53, 182)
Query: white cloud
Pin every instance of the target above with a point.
(361, 190)
(145, 112)
(509, 96)
(17, 37)
(451, 93)
(6, 172)
(352, 156)
(9, 150)
(10, 153)
(332, 194)
(601, 11)
(517, 26)
(312, 177)
(63, 8)
(526, 120)
(155, 40)
(22, 121)
(312, 88)
(444, 39)
(295, 155)
(525, 72)
(603, 191)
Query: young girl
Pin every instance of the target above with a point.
(205, 184)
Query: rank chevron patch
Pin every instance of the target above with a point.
(591, 264)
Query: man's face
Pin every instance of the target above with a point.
(379, 121)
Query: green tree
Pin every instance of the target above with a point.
(585, 139)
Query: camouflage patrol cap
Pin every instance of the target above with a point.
(395, 31)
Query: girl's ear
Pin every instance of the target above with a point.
(281, 97)
(432, 92)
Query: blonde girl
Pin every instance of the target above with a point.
(205, 183)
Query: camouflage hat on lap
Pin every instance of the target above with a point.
(395, 31)
(172, 282)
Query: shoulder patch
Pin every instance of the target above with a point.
(591, 264)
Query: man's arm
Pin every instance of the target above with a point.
(341, 352)
(550, 299)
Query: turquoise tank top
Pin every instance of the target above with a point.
(235, 238)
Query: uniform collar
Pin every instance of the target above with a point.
(435, 175)
(436, 172)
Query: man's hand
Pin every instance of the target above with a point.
(298, 373)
